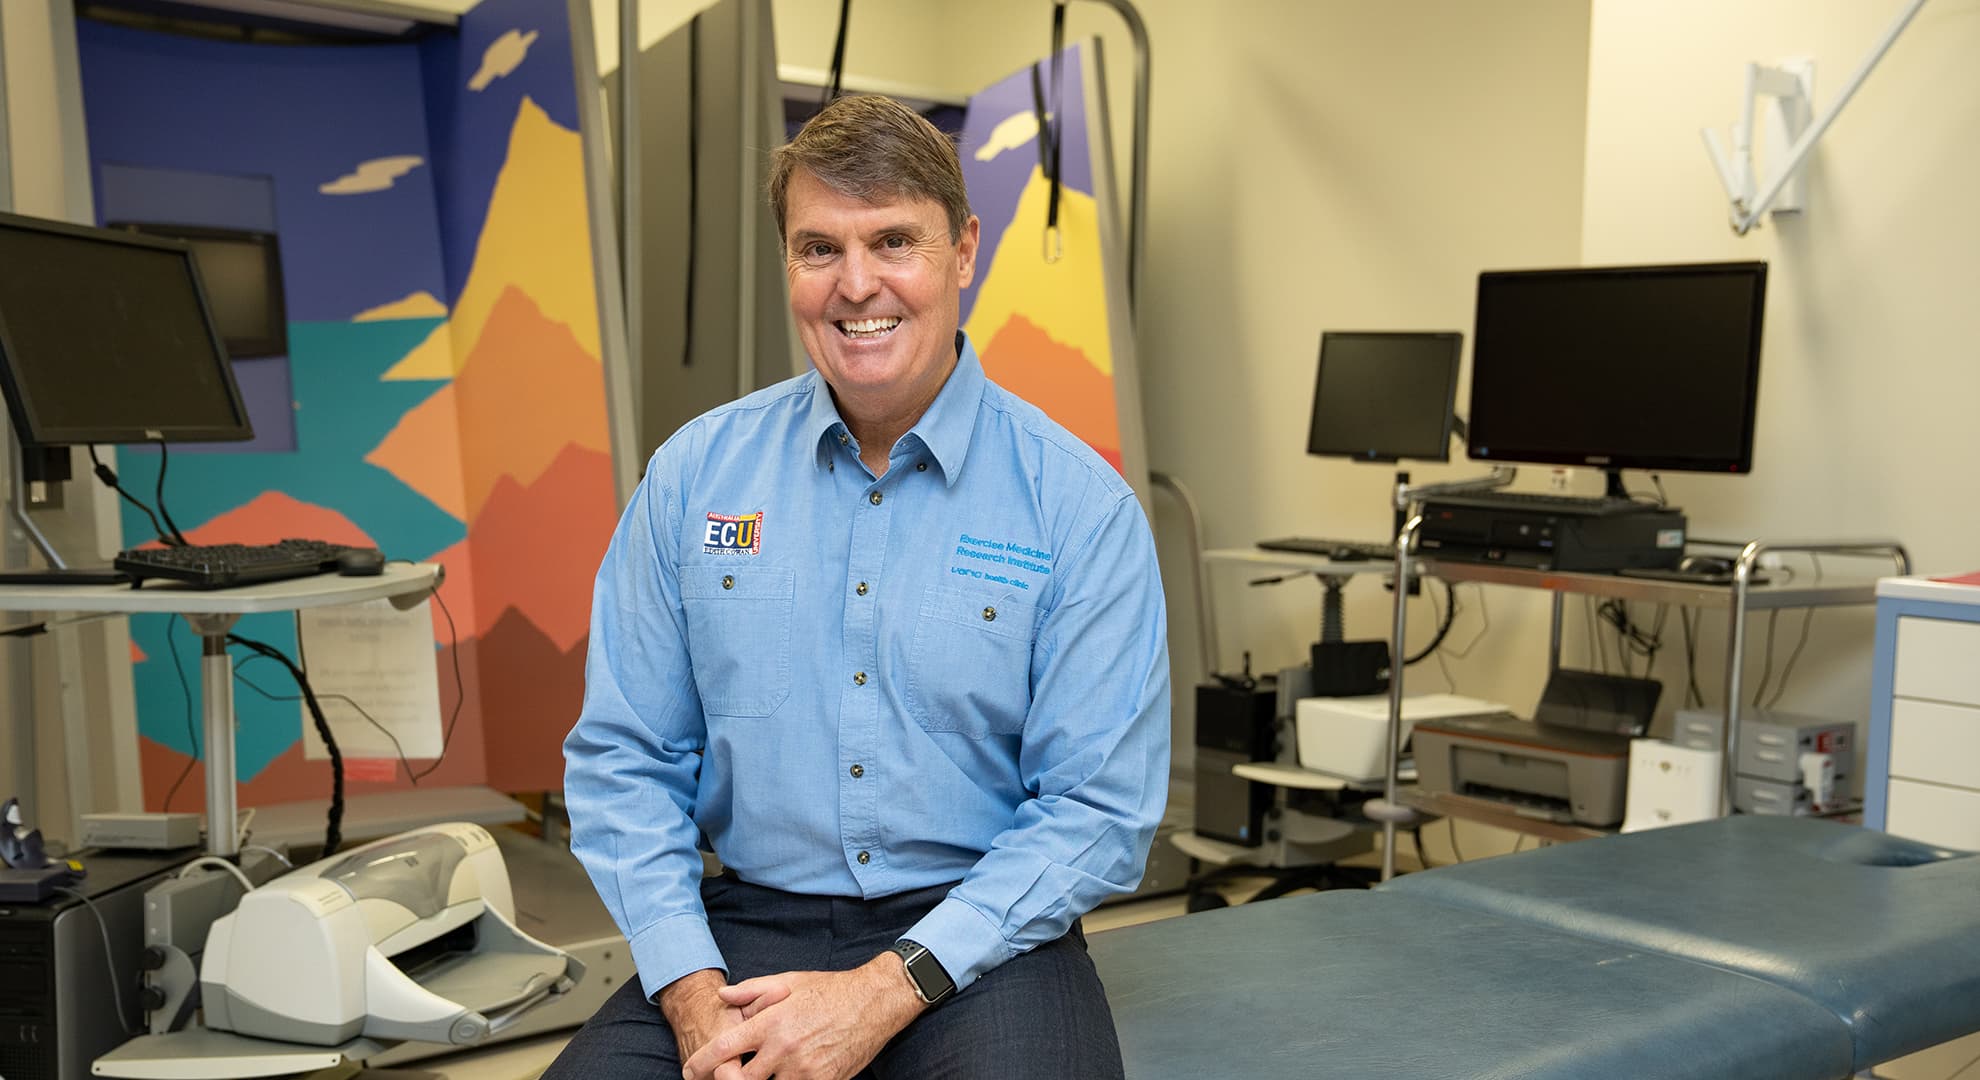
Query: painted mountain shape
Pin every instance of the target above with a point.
(531, 692)
(418, 305)
(536, 237)
(536, 549)
(1067, 297)
(1054, 376)
(527, 389)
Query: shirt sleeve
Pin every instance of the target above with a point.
(632, 761)
(1095, 753)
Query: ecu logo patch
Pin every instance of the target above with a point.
(729, 534)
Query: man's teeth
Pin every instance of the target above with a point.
(867, 327)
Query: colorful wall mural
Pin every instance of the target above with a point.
(1050, 330)
(447, 395)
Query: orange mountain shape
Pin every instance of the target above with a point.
(272, 516)
(528, 390)
(536, 549)
(537, 236)
(1025, 360)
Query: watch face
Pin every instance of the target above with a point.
(930, 980)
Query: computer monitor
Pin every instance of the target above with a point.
(1626, 367)
(1385, 396)
(242, 273)
(105, 337)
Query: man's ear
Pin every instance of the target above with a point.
(966, 252)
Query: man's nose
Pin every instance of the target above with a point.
(859, 278)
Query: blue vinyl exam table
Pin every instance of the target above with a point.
(1749, 947)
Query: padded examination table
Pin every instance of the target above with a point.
(1749, 947)
(1882, 931)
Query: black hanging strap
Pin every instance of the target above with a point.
(838, 53)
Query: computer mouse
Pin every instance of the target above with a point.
(1343, 553)
(1705, 565)
(360, 562)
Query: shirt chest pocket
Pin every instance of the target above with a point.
(969, 666)
(739, 636)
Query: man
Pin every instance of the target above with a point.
(891, 643)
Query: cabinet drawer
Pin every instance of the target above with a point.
(1938, 659)
(1935, 742)
(1948, 817)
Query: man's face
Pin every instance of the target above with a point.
(876, 289)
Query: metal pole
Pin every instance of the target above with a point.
(1206, 615)
(1390, 812)
(1138, 177)
(216, 688)
(1554, 635)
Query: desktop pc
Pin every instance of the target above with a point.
(107, 336)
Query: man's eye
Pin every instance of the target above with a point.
(817, 251)
(895, 242)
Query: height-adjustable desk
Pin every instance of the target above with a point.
(212, 613)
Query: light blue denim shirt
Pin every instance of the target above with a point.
(957, 672)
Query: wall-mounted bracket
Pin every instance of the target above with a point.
(1791, 133)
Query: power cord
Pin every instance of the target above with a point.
(332, 829)
(109, 478)
(164, 459)
(110, 961)
(192, 729)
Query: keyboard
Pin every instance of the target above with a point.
(1572, 505)
(220, 566)
(1336, 550)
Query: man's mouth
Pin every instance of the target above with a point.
(860, 329)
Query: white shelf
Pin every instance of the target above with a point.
(319, 590)
(1279, 774)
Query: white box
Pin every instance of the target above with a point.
(1671, 785)
(1347, 736)
(150, 832)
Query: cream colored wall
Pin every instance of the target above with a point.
(1868, 373)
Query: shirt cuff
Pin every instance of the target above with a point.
(675, 946)
(965, 942)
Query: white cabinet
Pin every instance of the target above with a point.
(1924, 750)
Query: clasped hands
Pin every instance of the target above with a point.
(800, 1025)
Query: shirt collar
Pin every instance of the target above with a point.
(944, 429)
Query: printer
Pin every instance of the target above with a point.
(410, 937)
(1570, 763)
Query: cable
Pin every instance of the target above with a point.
(109, 478)
(346, 699)
(332, 828)
(271, 853)
(1456, 855)
(164, 459)
(102, 927)
(192, 729)
(1444, 625)
(1767, 669)
(217, 863)
(460, 688)
(1484, 624)
(26, 630)
(1807, 616)
(1692, 695)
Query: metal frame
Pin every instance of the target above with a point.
(1739, 598)
(621, 389)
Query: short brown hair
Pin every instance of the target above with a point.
(873, 148)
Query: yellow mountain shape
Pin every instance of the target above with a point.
(1067, 299)
(536, 238)
(420, 305)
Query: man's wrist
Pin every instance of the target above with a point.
(897, 986)
(689, 991)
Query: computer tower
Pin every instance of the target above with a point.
(60, 997)
(1234, 724)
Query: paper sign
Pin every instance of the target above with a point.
(383, 659)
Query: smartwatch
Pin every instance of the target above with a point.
(931, 983)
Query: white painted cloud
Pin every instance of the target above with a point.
(1010, 133)
(503, 57)
(374, 175)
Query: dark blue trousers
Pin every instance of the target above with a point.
(1041, 1015)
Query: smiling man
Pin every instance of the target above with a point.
(891, 644)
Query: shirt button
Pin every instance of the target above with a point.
(862, 589)
(874, 498)
(858, 771)
(843, 440)
(728, 581)
(864, 858)
(859, 678)
(921, 466)
(989, 614)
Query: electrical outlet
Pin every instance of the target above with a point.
(1560, 479)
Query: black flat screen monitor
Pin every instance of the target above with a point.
(105, 337)
(1385, 396)
(242, 273)
(1628, 367)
